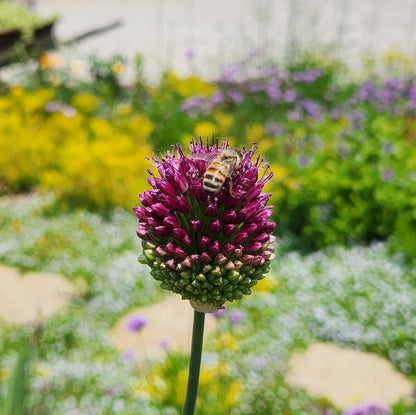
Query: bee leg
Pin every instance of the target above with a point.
(230, 184)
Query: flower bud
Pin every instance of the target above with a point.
(140, 212)
(240, 238)
(205, 241)
(171, 221)
(229, 230)
(179, 253)
(160, 209)
(161, 252)
(182, 205)
(253, 247)
(215, 227)
(212, 210)
(196, 225)
(205, 257)
(230, 217)
(214, 248)
(220, 259)
(227, 249)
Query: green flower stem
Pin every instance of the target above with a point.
(195, 363)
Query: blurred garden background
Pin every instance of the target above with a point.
(89, 90)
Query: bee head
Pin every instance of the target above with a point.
(232, 155)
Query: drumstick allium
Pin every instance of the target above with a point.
(208, 249)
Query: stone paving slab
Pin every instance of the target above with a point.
(32, 296)
(346, 376)
(169, 324)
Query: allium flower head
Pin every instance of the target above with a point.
(208, 249)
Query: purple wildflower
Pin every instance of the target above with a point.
(311, 108)
(411, 105)
(236, 96)
(273, 91)
(387, 175)
(165, 344)
(237, 316)
(294, 115)
(136, 322)
(290, 96)
(307, 76)
(216, 98)
(219, 313)
(229, 73)
(412, 93)
(274, 128)
(397, 84)
(129, 356)
(356, 118)
(192, 103)
(367, 408)
(412, 98)
(385, 96)
(209, 249)
(366, 92)
(303, 161)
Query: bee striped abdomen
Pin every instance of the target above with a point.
(213, 179)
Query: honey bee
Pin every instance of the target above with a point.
(219, 169)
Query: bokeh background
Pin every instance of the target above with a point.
(170, 34)
(90, 89)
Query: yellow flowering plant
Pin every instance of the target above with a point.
(84, 160)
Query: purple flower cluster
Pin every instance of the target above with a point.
(235, 316)
(367, 408)
(209, 249)
(268, 86)
(393, 95)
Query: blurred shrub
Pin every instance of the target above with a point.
(342, 149)
(349, 179)
(82, 157)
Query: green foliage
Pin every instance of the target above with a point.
(18, 17)
(350, 184)
(15, 402)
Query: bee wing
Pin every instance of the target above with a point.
(204, 156)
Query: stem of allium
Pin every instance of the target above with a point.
(195, 363)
